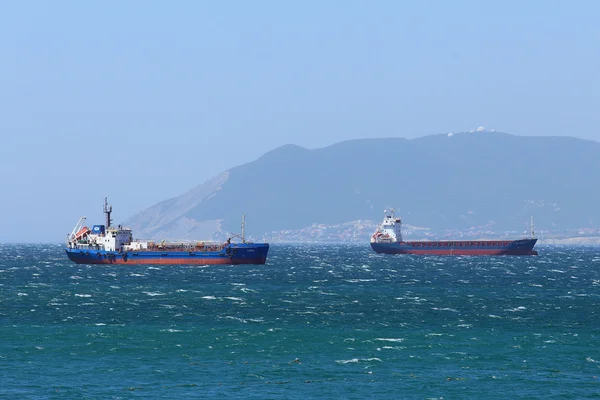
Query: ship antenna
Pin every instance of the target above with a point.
(532, 231)
(107, 210)
(243, 228)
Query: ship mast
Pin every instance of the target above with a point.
(107, 210)
(243, 228)
(532, 231)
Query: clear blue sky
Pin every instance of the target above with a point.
(142, 100)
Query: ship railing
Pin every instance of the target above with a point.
(149, 245)
(114, 228)
(85, 246)
(178, 242)
(192, 248)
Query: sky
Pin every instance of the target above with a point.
(141, 101)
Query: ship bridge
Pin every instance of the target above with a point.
(390, 229)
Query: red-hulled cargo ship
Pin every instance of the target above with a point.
(388, 239)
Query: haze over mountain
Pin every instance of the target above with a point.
(444, 181)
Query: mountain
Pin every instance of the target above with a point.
(481, 180)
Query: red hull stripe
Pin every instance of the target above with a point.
(173, 261)
(460, 252)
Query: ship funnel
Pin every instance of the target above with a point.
(107, 210)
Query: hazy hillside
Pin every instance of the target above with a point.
(439, 181)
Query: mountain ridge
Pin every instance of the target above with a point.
(442, 181)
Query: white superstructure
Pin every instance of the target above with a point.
(102, 237)
(390, 230)
(116, 238)
(112, 239)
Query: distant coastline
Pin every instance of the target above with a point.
(572, 241)
(360, 232)
(567, 241)
(575, 241)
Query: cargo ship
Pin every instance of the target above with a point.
(387, 239)
(107, 244)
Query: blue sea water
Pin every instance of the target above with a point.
(317, 321)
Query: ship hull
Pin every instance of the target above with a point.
(522, 247)
(245, 253)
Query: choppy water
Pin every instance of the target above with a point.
(361, 325)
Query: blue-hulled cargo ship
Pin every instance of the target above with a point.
(106, 244)
(388, 239)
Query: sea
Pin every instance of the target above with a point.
(318, 321)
